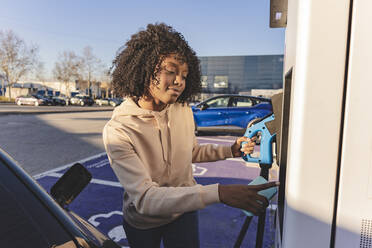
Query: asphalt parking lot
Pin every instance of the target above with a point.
(100, 203)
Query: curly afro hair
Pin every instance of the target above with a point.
(136, 63)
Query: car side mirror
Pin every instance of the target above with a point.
(75, 179)
(110, 244)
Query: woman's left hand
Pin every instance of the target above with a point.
(247, 148)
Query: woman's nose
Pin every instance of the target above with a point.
(179, 80)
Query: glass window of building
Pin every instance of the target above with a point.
(204, 82)
(221, 82)
(235, 74)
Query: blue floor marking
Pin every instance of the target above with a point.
(101, 205)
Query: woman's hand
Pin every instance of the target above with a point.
(245, 196)
(247, 148)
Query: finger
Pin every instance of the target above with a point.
(248, 150)
(242, 139)
(247, 147)
(255, 202)
(263, 200)
(249, 144)
(251, 140)
(263, 186)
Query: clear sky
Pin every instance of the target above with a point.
(212, 28)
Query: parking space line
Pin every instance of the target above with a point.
(96, 181)
(45, 173)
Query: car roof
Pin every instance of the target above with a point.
(238, 95)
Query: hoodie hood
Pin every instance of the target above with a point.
(130, 108)
(159, 119)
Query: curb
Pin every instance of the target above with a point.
(27, 112)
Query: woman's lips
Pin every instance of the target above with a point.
(174, 91)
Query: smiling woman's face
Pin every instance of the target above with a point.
(171, 81)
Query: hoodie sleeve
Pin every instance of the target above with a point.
(207, 152)
(147, 196)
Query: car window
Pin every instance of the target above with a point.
(262, 100)
(242, 102)
(219, 102)
(25, 221)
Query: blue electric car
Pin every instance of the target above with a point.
(229, 113)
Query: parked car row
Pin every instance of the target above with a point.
(223, 113)
(81, 100)
(109, 101)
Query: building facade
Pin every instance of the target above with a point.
(238, 74)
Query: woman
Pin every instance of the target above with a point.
(151, 144)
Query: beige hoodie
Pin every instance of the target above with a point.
(151, 154)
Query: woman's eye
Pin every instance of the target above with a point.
(170, 72)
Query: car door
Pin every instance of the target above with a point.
(30, 100)
(241, 111)
(25, 221)
(214, 114)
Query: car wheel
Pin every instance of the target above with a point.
(36, 103)
(113, 104)
(99, 103)
(19, 103)
(82, 104)
(197, 133)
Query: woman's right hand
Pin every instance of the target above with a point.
(245, 196)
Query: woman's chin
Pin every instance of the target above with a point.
(172, 99)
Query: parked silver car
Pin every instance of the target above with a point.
(30, 100)
(109, 101)
(102, 101)
(81, 100)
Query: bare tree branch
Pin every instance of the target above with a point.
(66, 69)
(16, 58)
(90, 66)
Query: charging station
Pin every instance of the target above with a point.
(325, 158)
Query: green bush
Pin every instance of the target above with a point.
(6, 99)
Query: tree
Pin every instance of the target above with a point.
(67, 68)
(105, 79)
(39, 72)
(16, 58)
(90, 65)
